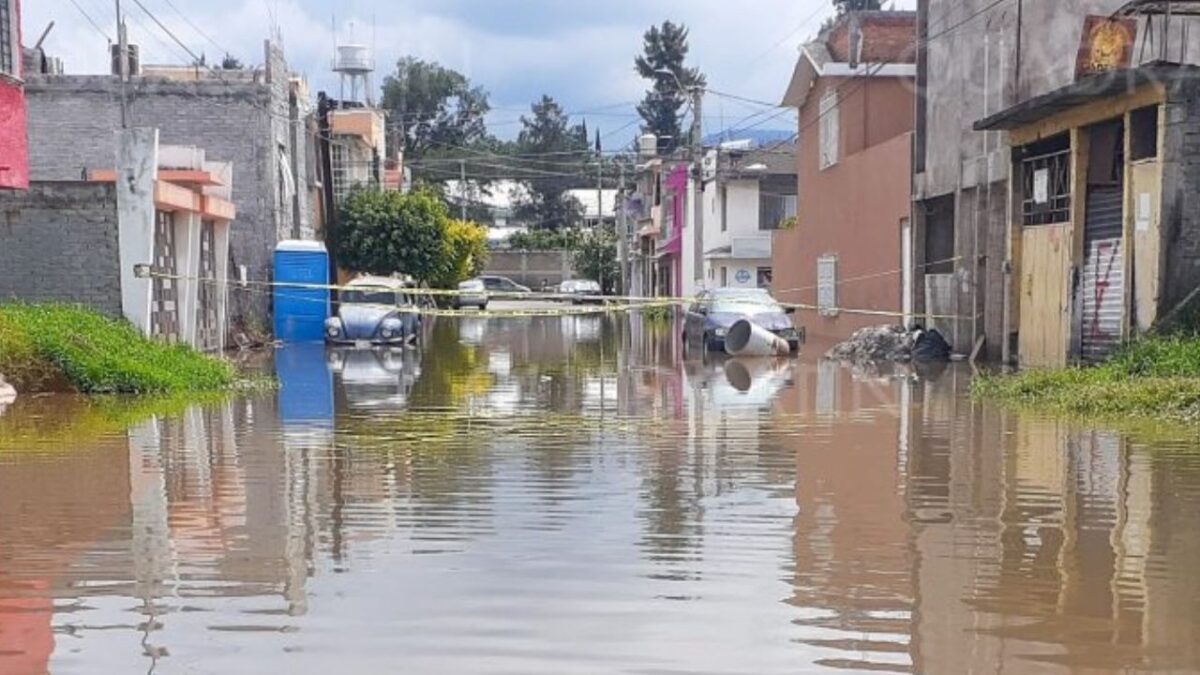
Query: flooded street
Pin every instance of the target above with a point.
(574, 495)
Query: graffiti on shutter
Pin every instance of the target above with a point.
(1103, 284)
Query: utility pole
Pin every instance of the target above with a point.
(698, 173)
(462, 189)
(622, 235)
(122, 65)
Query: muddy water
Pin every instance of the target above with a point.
(573, 496)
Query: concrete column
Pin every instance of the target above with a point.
(187, 262)
(137, 170)
(221, 242)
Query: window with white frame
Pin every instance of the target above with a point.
(827, 285)
(10, 55)
(829, 128)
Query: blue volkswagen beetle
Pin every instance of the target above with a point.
(709, 318)
(374, 311)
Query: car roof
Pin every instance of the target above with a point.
(729, 292)
(376, 282)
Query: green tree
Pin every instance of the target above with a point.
(664, 49)
(844, 6)
(433, 108)
(466, 253)
(388, 232)
(561, 152)
(596, 258)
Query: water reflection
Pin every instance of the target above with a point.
(575, 495)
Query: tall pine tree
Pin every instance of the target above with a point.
(664, 50)
(555, 148)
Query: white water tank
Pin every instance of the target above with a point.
(353, 59)
(647, 145)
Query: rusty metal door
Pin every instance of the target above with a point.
(164, 308)
(1102, 285)
(207, 324)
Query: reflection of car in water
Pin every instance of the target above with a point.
(709, 318)
(739, 381)
(375, 379)
(372, 310)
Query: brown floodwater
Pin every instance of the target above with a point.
(574, 495)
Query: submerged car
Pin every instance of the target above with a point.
(712, 314)
(471, 293)
(374, 311)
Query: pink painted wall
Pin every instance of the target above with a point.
(14, 138)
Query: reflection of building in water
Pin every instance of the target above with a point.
(1040, 547)
(851, 543)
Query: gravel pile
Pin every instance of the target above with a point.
(891, 343)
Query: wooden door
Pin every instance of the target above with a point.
(1045, 295)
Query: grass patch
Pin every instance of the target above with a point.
(44, 344)
(658, 312)
(1151, 379)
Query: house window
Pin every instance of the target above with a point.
(341, 172)
(764, 278)
(773, 209)
(830, 129)
(9, 64)
(724, 276)
(1046, 181)
(827, 285)
(1143, 136)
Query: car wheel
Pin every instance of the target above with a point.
(483, 307)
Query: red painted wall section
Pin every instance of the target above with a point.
(14, 139)
(14, 134)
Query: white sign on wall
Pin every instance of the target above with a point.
(827, 285)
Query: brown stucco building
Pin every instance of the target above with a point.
(853, 87)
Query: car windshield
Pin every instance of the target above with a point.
(748, 303)
(369, 297)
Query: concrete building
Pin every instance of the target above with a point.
(662, 255)
(253, 118)
(978, 59)
(14, 152)
(853, 88)
(749, 194)
(80, 241)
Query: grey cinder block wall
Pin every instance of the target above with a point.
(243, 118)
(58, 243)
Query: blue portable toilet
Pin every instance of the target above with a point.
(300, 313)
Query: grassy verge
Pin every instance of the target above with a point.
(1151, 379)
(57, 347)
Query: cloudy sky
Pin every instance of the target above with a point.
(579, 51)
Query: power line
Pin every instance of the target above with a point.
(91, 20)
(196, 59)
(196, 28)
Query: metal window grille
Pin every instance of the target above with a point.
(1046, 188)
(341, 172)
(827, 270)
(8, 63)
(830, 129)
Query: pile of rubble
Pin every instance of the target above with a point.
(891, 343)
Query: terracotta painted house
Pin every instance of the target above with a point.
(14, 141)
(853, 87)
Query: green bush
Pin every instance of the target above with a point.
(1153, 378)
(98, 355)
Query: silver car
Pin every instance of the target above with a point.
(374, 311)
(471, 294)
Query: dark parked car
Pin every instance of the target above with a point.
(495, 284)
(715, 310)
